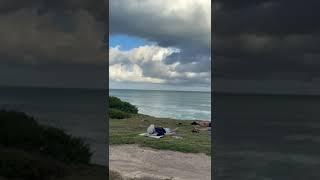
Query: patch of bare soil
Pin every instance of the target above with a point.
(139, 163)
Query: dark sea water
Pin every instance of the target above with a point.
(187, 105)
(255, 137)
(80, 112)
(263, 137)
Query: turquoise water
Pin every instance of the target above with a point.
(187, 105)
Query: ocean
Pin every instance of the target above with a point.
(267, 137)
(254, 136)
(185, 105)
(80, 112)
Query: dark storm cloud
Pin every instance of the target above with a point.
(40, 39)
(184, 24)
(266, 40)
(267, 17)
(59, 36)
(95, 7)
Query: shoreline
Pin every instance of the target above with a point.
(174, 119)
(185, 154)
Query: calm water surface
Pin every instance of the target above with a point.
(185, 105)
(266, 137)
(78, 111)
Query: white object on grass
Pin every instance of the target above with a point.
(150, 129)
(150, 135)
(168, 130)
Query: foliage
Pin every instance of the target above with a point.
(117, 114)
(17, 164)
(20, 131)
(116, 103)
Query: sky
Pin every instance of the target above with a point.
(53, 43)
(266, 46)
(263, 46)
(160, 45)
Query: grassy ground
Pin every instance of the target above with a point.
(125, 131)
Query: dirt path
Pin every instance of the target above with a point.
(134, 162)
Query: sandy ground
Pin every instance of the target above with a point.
(134, 162)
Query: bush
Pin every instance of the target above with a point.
(117, 114)
(20, 131)
(20, 164)
(116, 103)
(64, 147)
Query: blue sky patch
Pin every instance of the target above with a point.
(126, 42)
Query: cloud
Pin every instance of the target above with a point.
(266, 40)
(182, 24)
(29, 38)
(132, 73)
(95, 8)
(147, 64)
(59, 36)
(178, 23)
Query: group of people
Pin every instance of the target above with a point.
(160, 131)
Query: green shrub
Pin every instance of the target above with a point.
(116, 103)
(117, 114)
(18, 130)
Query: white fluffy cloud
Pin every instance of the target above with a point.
(129, 65)
(130, 73)
(147, 64)
(182, 24)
